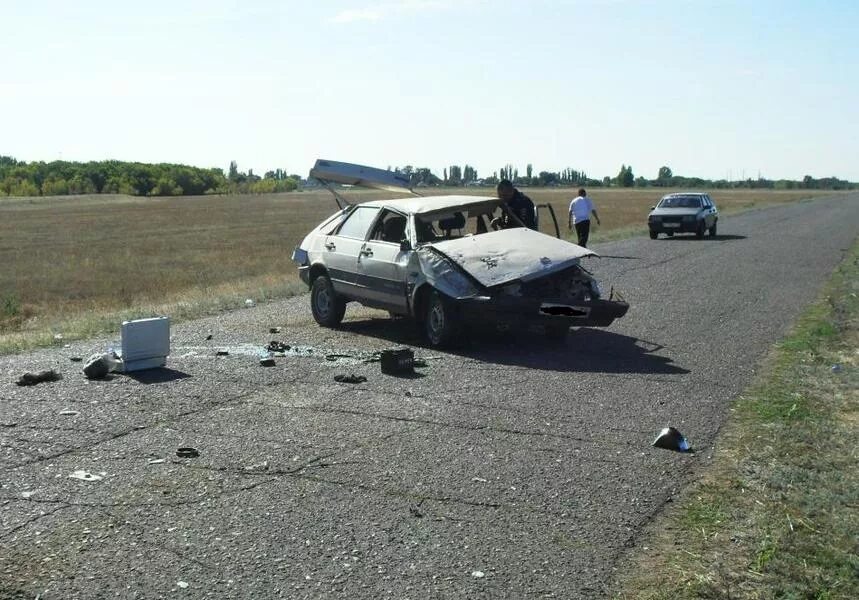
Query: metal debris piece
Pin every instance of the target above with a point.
(187, 452)
(155, 461)
(41, 377)
(263, 466)
(27, 495)
(266, 362)
(222, 353)
(69, 413)
(350, 378)
(209, 337)
(84, 476)
(274, 329)
(275, 346)
(478, 574)
(671, 439)
(400, 361)
(76, 359)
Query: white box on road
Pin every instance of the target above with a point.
(145, 343)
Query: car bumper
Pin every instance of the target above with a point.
(512, 312)
(681, 227)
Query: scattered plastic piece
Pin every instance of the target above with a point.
(209, 337)
(76, 359)
(84, 476)
(671, 439)
(69, 413)
(263, 466)
(249, 302)
(350, 378)
(274, 330)
(187, 452)
(837, 368)
(155, 461)
(478, 574)
(275, 346)
(40, 377)
(182, 584)
(222, 353)
(266, 362)
(58, 336)
(26, 495)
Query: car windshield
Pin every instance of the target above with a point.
(459, 222)
(680, 202)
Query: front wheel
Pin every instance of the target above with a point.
(653, 235)
(440, 320)
(328, 308)
(699, 233)
(713, 230)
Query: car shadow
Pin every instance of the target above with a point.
(159, 375)
(692, 237)
(585, 350)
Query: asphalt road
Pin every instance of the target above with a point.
(509, 469)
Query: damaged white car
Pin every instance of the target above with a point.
(439, 261)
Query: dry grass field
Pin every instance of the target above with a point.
(77, 265)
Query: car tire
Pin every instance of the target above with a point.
(557, 333)
(699, 233)
(669, 233)
(327, 306)
(653, 235)
(441, 322)
(713, 230)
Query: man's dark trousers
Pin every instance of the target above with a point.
(583, 228)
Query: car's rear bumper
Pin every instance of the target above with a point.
(515, 312)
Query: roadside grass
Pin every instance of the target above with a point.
(776, 515)
(74, 265)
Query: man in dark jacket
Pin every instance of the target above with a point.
(517, 203)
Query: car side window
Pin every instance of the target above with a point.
(358, 223)
(391, 227)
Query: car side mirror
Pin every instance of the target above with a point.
(652, 208)
(405, 246)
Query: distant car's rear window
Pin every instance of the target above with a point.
(680, 202)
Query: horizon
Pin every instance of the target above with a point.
(719, 91)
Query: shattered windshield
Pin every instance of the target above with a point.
(680, 202)
(458, 222)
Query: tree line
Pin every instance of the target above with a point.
(18, 178)
(454, 175)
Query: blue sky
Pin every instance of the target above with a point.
(711, 89)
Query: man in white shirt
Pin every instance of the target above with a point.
(580, 215)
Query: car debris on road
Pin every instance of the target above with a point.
(28, 379)
(350, 378)
(671, 439)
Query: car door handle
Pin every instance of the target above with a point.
(366, 252)
(330, 246)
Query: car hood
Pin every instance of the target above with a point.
(674, 212)
(499, 257)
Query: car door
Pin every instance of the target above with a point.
(382, 262)
(343, 248)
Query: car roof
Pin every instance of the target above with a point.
(673, 194)
(428, 204)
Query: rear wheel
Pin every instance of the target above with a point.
(699, 233)
(713, 230)
(328, 307)
(653, 235)
(440, 321)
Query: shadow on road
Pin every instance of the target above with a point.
(716, 238)
(585, 350)
(162, 375)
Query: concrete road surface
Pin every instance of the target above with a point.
(511, 468)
